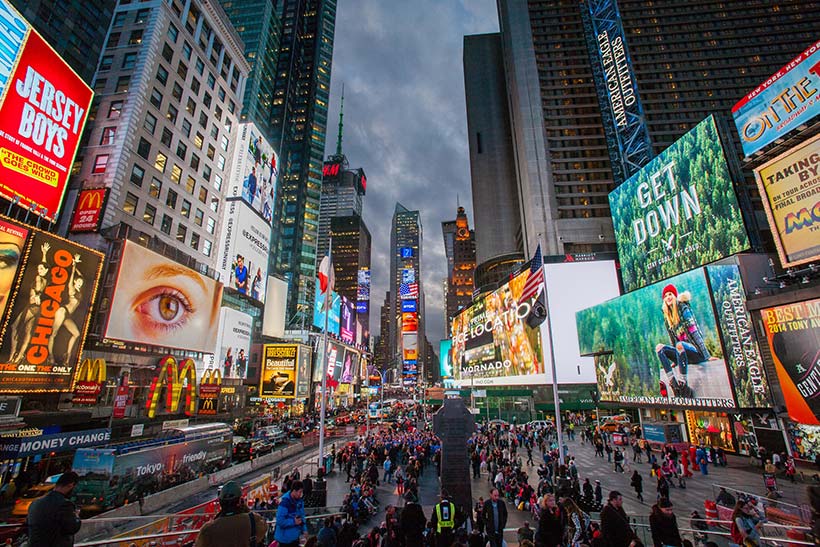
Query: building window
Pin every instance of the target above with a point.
(182, 232)
(190, 106)
(172, 113)
(199, 216)
(203, 194)
(221, 94)
(159, 163)
(99, 85)
(206, 100)
(211, 80)
(162, 75)
(211, 152)
(135, 38)
(173, 33)
(223, 143)
(203, 120)
(182, 70)
(137, 174)
(119, 19)
(218, 112)
(155, 188)
(122, 84)
(195, 86)
(215, 204)
(171, 199)
(190, 184)
(176, 92)
(144, 148)
(186, 208)
(176, 173)
(220, 162)
(156, 99)
(165, 226)
(206, 172)
(106, 62)
(149, 214)
(167, 53)
(113, 40)
(206, 247)
(182, 150)
(131, 203)
(195, 241)
(108, 134)
(186, 128)
(210, 225)
(129, 60)
(214, 131)
(99, 164)
(218, 183)
(198, 139)
(142, 16)
(114, 110)
(194, 162)
(231, 106)
(186, 50)
(167, 135)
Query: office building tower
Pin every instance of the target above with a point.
(165, 117)
(351, 254)
(459, 246)
(688, 60)
(382, 353)
(342, 192)
(299, 122)
(258, 25)
(74, 28)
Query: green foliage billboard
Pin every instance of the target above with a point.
(679, 212)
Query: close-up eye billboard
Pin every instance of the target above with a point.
(162, 303)
(48, 314)
(43, 110)
(678, 212)
(244, 250)
(255, 171)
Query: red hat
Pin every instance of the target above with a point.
(669, 288)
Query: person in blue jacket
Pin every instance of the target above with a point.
(290, 517)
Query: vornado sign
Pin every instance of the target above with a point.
(172, 375)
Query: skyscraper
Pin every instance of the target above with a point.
(461, 263)
(351, 254)
(342, 193)
(299, 121)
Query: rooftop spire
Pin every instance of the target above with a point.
(341, 117)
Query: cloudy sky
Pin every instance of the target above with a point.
(405, 123)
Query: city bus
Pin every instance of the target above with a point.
(113, 475)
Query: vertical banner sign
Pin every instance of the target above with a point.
(793, 333)
(42, 113)
(209, 388)
(303, 372)
(12, 244)
(121, 402)
(89, 382)
(43, 337)
(786, 100)
(790, 188)
(278, 378)
(88, 211)
(617, 88)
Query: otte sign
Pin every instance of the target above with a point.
(88, 212)
(43, 111)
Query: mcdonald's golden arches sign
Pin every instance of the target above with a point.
(209, 388)
(90, 380)
(88, 210)
(172, 376)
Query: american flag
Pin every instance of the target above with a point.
(536, 279)
(409, 290)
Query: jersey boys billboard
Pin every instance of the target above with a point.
(679, 212)
(42, 113)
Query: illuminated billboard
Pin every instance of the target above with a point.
(234, 343)
(409, 306)
(406, 252)
(408, 275)
(793, 334)
(319, 311)
(48, 312)
(786, 100)
(44, 108)
(255, 171)
(363, 285)
(12, 244)
(303, 372)
(790, 187)
(162, 303)
(445, 364)
(679, 212)
(278, 377)
(244, 250)
(350, 367)
(409, 322)
(659, 345)
(347, 321)
(88, 210)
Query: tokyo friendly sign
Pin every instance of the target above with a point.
(679, 212)
(787, 99)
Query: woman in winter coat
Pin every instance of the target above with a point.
(637, 483)
(552, 523)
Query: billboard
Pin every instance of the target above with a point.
(678, 212)
(350, 367)
(410, 346)
(12, 244)
(363, 285)
(334, 362)
(408, 275)
(333, 318)
(88, 210)
(48, 314)
(303, 372)
(659, 344)
(279, 364)
(43, 110)
(255, 171)
(789, 187)
(409, 321)
(276, 299)
(445, 364)
(244, 250)
(347, 321)
(409, 306)
(406, 252)
(162, 303)
(233, 343)
(793, 334)
(786, 100)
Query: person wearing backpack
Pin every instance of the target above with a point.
(745, 528)
(234, 525)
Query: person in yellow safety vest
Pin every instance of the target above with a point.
(443, 521)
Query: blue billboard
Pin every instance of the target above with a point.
(786, 100)
(445, 365)
(408, 306)
(333, 319)
(406, 252)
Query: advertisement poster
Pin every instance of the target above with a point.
(790, 188)
(410, 346)
(363, 285)
(162, 303)
(804, 440)
(350, 365)
(445, 364)
(279, 371)
(786, 100)
(12, 244)
(347, 321)
(658, 345)
(742, 352)
(333, 362)
(44, 335)
(255, 171)
(409, 322)
(303, 372)
(244, 250)
(793, 334)
(44, 108)
(234, 345)
(88, 210)
(319, 312)
(679, 212)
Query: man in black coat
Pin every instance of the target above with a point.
(412, 522)
(52, 520)
(495, 518)
(615, 524)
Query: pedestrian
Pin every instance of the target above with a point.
(608, 450)
(412, 522)
(327, 534)
(53, 519)
(494, 516)
(599, 494)
(615, 524)
(552, 523)
(388, 471)
(443, 521)
(700, 458)
(790, 469)
(290, 516)
(637, 483)
(619, 460)
(233, 525)
(745, 527)
(664, 525)
(525, 533)
(663, 487)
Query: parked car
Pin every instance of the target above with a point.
(31, 495)
(272, 434)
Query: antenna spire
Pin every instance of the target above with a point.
(341, 124)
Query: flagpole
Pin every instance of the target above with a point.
(323, 411)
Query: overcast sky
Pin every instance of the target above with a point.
(405, 123)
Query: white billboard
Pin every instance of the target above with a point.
(244, 250)
(255, 168)
(233, 343)
(276, 301)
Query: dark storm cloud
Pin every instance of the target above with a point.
(405, 123)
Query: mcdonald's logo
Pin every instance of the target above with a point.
(91, 371)
(209, 389)
(172, 376)
(89, 382)
(88, 212)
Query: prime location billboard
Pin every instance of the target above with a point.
(279, 364)
(787, 99)
(43, 108)
(160, 302)
(347, 321)
(793, 334)
(790, 190)
(659, 345)
(233, 347)
(333, 318)
(244, 250)
(255, 171)
(679, 212)
(48, 314)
